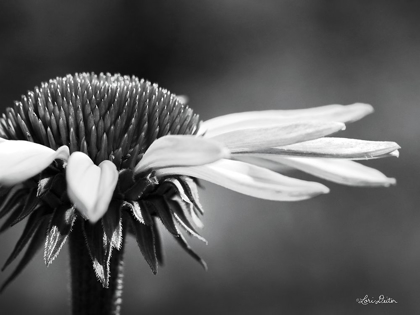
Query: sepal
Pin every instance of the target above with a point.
(35, 244)
(112, 224)
(31, 227)
(59, 229)
(181, 241)
(100, 251)
(145, 237)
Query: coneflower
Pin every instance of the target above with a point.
(92, 158)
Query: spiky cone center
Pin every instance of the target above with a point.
(107, 117)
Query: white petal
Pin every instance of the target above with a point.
(283, 134)
(185, 150)
(107, 184)
(340, 171)
(263, 162)
(250, 180)
(90, 187)
(341, 148)
(230, 122)
(21, 160)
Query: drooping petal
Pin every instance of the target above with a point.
(230, 122)
(340, 148)
(183, 150)
(90, 187)
(281, 135)
(337, 170)
(263, 162)
(250, 180)
(21, 160)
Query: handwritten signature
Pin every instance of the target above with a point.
(380, 300)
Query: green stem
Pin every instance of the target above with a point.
(88, 295)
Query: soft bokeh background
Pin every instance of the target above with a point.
(313, 257)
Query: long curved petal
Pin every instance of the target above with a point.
(263, 162)
(250, 180)
(336, 170)
(281, 135)
(21, 160)
(341, 148)
(90, 187)
(184, 150)
(236, 121)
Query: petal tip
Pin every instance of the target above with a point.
(395, 153)
(93, 220)
(367, 107)
(390, 182)
(63, 153)
(324, 190)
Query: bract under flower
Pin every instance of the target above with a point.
(21, 160)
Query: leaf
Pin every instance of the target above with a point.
(181, 241)
(141, 186)
(59, 229)
(35, 244)
(146, 241)
(31, 227)
(100, 251)
(5, 191)
(163, 211)
(191, 190)
(135, 210)
(44, 185)
(178, 188)
(15, 212)
(112, 224)
(158, 244)
(51, 189)
(13, 198)
(187, 200)
(178, 208)
(31, 203)
(58, 185)
(125, 180)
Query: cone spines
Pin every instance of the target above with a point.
(108, 116)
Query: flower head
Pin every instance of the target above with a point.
(117, 153)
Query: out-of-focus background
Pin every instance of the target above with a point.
(311, 257)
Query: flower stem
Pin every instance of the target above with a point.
(88, 295)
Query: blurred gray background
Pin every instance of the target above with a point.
(311, 257)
